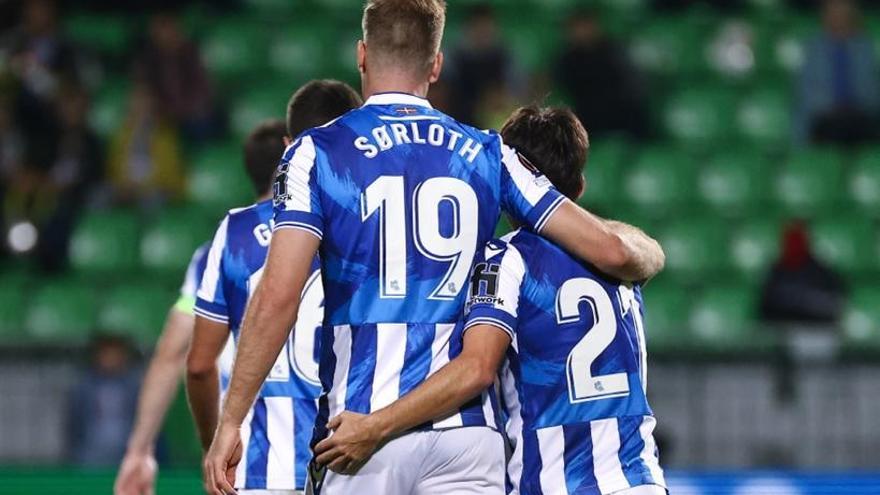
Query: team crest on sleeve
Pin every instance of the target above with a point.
(540, 179)
(280, 195)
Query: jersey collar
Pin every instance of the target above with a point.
(397, 99)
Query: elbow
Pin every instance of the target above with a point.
(618, 256)
(482, 376)
(198, 369)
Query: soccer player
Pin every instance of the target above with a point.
(574, 375)
(137, 472)
(399, 198)
(276, 437)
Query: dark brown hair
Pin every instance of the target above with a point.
(554, 141)
(404, 33)
(262, 151)
(319, 102)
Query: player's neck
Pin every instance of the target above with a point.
(264, 197)
(394, 83)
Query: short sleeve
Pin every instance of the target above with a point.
(296, 196)
(525, 193)
(210, 298)
(495, 287)
(187, 299)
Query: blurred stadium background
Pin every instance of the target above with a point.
(714, 124)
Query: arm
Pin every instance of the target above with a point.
(203, 376)
(615, 248)
(137, 472)
(270, 315)
(356, 436)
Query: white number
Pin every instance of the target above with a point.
(386, 194)
(582, 385)
(298, 352)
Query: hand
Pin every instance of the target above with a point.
(218, 470)
(137, 475)
(355, 438)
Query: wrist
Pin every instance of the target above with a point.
(140, 449)
(380, 423)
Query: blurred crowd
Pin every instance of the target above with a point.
(53, 164)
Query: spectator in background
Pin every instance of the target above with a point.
(481, 65)
(839, 87)
(144, 163)
(101, 406)
(595, 73)
(42, 61)
(173, 68)
(800, 289)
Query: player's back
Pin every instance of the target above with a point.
(401, 196)
(574, 382)
(278, 429)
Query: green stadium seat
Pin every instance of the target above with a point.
(109, 107)
(602, 174)
(137, 311)
(735, 183)
(723, 319)
(61, 311)
(258, 104)
(105, 242)
(104, 34)
(660, 180)
(235, 49)
(699, 117)
(861, 321)
(846, 242)
(217, 178)
(666, 313)
(12, 313)
(809, 183)
(169, 242)
(754, 247)
(781, 43)
(696, 249)
(300, 54)
(864, 181)
(764, 118)
(669, 46)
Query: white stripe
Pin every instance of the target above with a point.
(342, 351)
(482, 320)
(208, 286)
(551, 445)
(606, 460)
(548, 213)
(439, 358)
(514, 424)
(211, 316)
(298, 175)
(411, 117)
(646, 430)
(245, 431)
(397, 99)
(300, 226)
(190, 283)
(510, 277)
(523, 179)
(488, 411)
(280, 473)
(390, 351)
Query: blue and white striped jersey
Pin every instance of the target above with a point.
(401, 197)
(574, 380)
(187, 299)
(277, 430)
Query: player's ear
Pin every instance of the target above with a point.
(436, 67)
(583, 187)
(287, 141)
(362, 56)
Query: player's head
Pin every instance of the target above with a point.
(319, 102)
(262, 151)
(401, 41)
(554, 141)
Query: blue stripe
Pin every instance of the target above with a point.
(258, 449)
(417, 357)
(212, 310)
(548, 211)
(300, 219)
(304, 412)
(532, 465)
(326, 369)
(631, 446)
(542, 211)
(578, 459)
(361, 369)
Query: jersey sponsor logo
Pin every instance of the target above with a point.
(484, 284)
(280, 195)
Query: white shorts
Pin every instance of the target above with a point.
(643, 490)
(458, 461)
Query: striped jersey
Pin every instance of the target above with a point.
(278, 428)
(573, 383)
(401, 197)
